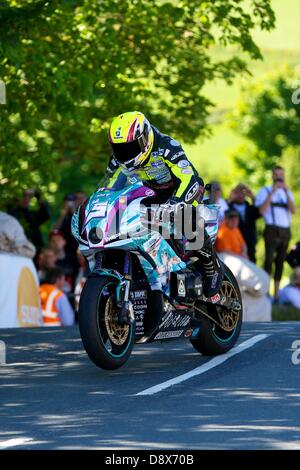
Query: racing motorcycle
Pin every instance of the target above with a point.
(141, 289)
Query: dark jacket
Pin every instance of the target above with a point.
(248, 227)
(167, 171)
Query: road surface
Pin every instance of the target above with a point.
(167, 396)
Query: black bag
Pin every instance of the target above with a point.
(293, 257)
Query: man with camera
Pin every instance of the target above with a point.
(276, 204)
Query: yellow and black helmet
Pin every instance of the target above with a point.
(131, 137)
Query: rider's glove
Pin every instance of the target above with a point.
(165, 212)
(173, 200)
(168, 211)
(157, 216)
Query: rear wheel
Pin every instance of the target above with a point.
(107, 343)
(218, 337)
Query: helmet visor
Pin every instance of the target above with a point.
(126, 151)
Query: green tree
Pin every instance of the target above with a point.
(268, 117)
(70, 65)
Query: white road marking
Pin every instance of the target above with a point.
(14, 442)
(216, 361)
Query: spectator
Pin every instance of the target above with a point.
(32, 219)
(276, 204)
(56, 307)
(13, 238)
(71, 203)
(290, 294)
(46, 260)
(248, 213)
(80, 198)
(57, 243)
(63, 224)
(230, 239)
(216, 198)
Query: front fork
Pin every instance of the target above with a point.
(125, 307)
(125, 314)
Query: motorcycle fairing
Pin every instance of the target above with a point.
(155, 254)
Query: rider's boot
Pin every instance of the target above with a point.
(210, 267)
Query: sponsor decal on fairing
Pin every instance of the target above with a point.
(169, 334)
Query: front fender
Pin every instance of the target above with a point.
(112, 273)
(107, 272)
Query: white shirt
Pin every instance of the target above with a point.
(290, 295)
(223, 208)
(279, 216)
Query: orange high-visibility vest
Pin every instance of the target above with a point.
(49, 294)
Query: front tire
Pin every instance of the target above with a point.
(107, 343)
(212, 340)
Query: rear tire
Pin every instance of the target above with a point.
(107, 343)
(211, 339)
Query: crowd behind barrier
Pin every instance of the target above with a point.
(55, 271)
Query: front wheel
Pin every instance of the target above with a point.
(107, 343)
(219, 337)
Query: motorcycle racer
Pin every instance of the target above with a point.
(142, 153)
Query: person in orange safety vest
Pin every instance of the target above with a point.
(56, 307)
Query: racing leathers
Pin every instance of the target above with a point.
(167, 171)
(174, 179)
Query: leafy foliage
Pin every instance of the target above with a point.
(269, 117)
(70, 65)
